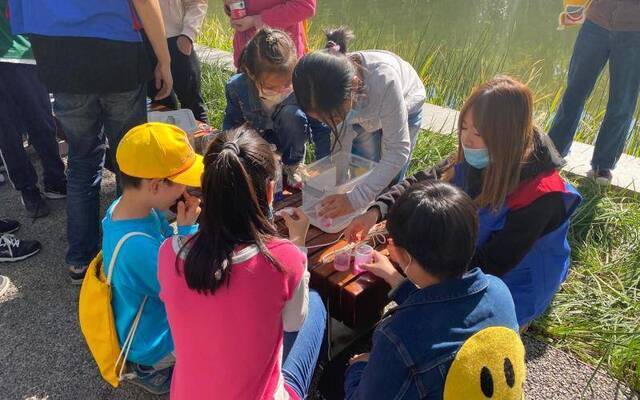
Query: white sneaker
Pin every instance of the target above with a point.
(601, 177)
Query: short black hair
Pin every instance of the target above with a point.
(128, 181)
(437, 224)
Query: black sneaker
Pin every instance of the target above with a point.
(56, 192)
(13, 249)
(34, 203)
(77, 273)
(8, 226)
(4, 284)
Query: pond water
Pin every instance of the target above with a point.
(455, 44)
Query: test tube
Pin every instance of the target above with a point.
(342, 260)
(364, 255)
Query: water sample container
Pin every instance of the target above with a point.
(363, 255)
(342, 260)
(334, 174)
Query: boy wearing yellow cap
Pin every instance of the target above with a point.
(157, 164)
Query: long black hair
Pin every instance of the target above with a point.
(323, 80)
(239, 165)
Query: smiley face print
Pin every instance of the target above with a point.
(489, 366)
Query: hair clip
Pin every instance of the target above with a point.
(271, 40)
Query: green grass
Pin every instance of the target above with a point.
(596, 315)
(450, 73)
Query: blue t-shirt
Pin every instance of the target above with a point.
(135, 275)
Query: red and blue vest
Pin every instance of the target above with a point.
(537, 278)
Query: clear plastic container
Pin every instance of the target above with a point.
(363, 255)
(342, 260)
(182, 118)
(335, 174)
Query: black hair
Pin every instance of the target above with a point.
(437, 224)
(128, 181)
(323, 80)
(270, 51)
(239, 164)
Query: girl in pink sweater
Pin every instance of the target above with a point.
(234, 292)
(288, 15)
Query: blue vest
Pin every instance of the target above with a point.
(537, 278)
(101, 19)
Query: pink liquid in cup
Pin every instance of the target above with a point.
(342, 260)
(363, 255)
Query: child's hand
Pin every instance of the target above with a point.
(360, 227)
(298, 227)
(382, 268)
(335, 206)
(244, 24)
(188, 210)
(364, 357)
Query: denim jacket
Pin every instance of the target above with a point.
(243, 105)
(415, 344)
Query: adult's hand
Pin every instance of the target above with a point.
(185, 46)
(360, 227)
(335, 206)
(163, 80)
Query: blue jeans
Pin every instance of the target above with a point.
(369, 144)
(25, 108)
(301, 350)
(291, 130)
(593, 48)
(288, 127)
(89, 121)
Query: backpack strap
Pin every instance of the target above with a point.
(116, 251)
(126, 346)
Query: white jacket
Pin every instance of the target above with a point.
(183, 17)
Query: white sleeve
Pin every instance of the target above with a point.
(296, 308)
(396, 147)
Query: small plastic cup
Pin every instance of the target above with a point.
(363, 255)
(342, 260)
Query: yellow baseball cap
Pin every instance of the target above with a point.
(159, 151)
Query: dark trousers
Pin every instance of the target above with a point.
(595, 46)
(25, 108)
(89, 121)
(186, 81)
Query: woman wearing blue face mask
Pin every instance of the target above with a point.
(509, 167)
(372, 100)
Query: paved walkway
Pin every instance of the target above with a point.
(43, 355)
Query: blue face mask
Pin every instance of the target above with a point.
(350, 116)
(477, 158)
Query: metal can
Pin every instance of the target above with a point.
(238, 10)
